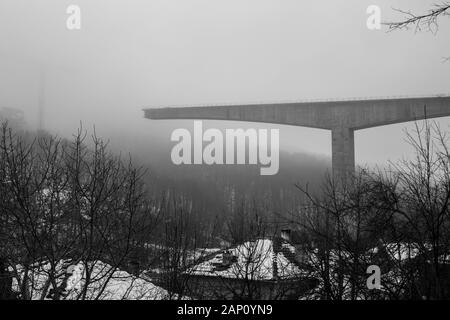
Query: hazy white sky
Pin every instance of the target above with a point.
(149, 53)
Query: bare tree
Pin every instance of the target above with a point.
(67, 204)
(418, 193)
(341, 225)
(397, 219)
(426, 21)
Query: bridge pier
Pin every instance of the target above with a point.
(343, 152)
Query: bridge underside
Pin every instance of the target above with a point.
(343, 118)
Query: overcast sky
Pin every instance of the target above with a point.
(153, 53)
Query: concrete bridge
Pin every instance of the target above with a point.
(343, 118)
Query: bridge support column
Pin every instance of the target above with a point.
(343, 152)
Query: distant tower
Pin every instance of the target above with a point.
(41, 100)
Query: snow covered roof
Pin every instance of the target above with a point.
(253, 260)
(116, 284)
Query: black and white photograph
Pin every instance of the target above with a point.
(246, 152)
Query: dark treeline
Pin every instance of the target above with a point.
(216, 191)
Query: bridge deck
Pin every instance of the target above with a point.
(342, 117)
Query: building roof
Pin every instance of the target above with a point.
(256, 260)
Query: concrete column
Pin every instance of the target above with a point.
(343, 152)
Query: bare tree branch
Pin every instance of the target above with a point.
(428, 21)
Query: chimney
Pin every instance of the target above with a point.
(274, 265)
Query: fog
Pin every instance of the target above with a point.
(134, 54)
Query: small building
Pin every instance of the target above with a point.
(259, 269)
